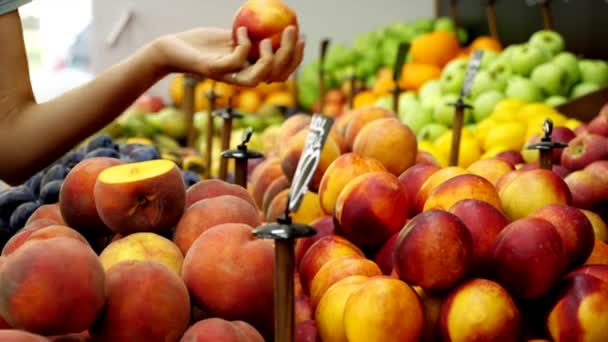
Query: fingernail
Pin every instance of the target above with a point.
(266, 44)
(291, 32)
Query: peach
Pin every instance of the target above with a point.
(435, 180)
(366, 320)
(491, 168)
(306, 332)
(484, 223)
(324, 226)
(261, 178)
(322, 251)
(310, 208)
(290, 127)
(160, 310)
(242, 289)
(480, 310)
(431, 303)
(337, 269)
(42, 288)
(215, 329)
(54, 231)
(210, 212)
(143, 246)
(380, 140)
(330, 310)
(208, 188)
(14, 335)
(384, 256)
(342, 170)
(598, 271)
(434, 251)
(371, 207)
(506, 179)
(528, 257)
(459, 188)
(264, 19)
(24, 234)
(77, 196)
(532, 190)
(47, 211)
(412, 180)
(147, 196)
(573, 227)
(599, 226)
(273, 190)
(302, 308)
(599, 254)
(425, 158)
(291, 154)
(249, 331)
(360, 118)
(581, 310)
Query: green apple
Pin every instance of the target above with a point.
(173, 122)
(413, 114)
(423, 24)
(551, 78)
(569, 62)
(485, 81)
(508, 51)
(385, 101)
(445, 24)
(484, 104)
(526, 57)
(452, 76)
(524, 89)
(462, 35)
(547, 40)
(430, 88)
(583, 89)
(489, 56)
(500, 70)
(431, 132)
(594, 71)
(555, 100)
(444, 110)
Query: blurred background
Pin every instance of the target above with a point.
(68, 41)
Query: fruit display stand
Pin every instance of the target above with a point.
(341, 224)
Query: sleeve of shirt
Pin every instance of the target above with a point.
(7, 6)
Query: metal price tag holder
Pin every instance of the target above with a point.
(285, 232)
(460, 105)
(546, 146)
(241, 156)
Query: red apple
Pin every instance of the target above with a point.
(528, 258)
(264, 19)
(583, 150)
(512, 157)
(588, 191)
(599, 124)
(559, 134)
(560, 170)
(149, 103)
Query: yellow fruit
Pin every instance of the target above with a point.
(509, 104)
(482, 128)
(469, 152)
(248, 101)
(140, 140)
(491, 153)
(444, 142)
(427, 146)
(535, 123)
(573, 123)
(532, 110)
(364, 98)
(510, 135)
(280, 98)
(530, 156)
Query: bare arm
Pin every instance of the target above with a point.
(33, 135)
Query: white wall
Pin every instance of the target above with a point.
(336, 19)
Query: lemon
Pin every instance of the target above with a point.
(510, 135)
(482, 129)
(534, 109)
(535, 123)
(427, 146)
(494, 151)
(469, 152)
(530, 156)
(444, 142)
(511, 104)
(572, 123)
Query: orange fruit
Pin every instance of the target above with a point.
(176, 89)
(223, 90)
(280, 98)
(414, 75)
(437, 48)
(384, 82)
(268, 88)
(364, 98)
(248, 101)
(486, 43)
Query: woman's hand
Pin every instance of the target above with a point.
(212, 53)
